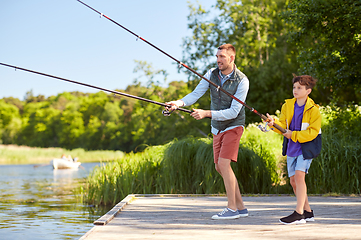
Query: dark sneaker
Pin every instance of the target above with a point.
(243, 213)
(294, 218)
(227, 214)
(309, 217)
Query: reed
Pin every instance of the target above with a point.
(135, 173)
(181, 166)
(186, 165)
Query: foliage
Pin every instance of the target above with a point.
(328, 37)
(338, 168)
(10, 122)
(99, 120)
(186, 165)
(325, 41)
(181, 166)
(259, 34)
(109, 183)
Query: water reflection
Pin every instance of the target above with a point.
(39, 203)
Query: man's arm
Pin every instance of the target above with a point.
(192, 97)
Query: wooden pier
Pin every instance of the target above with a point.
(189, 217)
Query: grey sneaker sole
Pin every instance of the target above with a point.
(310, 219)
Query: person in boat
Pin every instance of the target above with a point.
(227, 124)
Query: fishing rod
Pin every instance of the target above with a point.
(187, 67)
(165, 112)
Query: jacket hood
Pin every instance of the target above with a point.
(309, 103)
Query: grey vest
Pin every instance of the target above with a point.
(220, 100)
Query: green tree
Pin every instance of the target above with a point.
(258, 32)
(71, 127)
(41, 127)
(328, 36)
(10, 122)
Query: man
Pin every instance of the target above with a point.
(227, 124)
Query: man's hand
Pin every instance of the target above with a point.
(200, 113)
(174, 105)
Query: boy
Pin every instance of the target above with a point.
(302, 142)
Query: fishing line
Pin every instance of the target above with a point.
(165, 112)
(187, 67)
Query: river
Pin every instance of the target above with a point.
(39, 203)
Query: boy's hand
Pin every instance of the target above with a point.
(174, 105)
(288, 134)
(270, 121)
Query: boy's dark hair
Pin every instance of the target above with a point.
(305, 80)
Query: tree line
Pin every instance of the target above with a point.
(273, 39)
(97, 120)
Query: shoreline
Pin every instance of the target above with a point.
(15, 154)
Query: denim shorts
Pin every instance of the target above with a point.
(297, 163)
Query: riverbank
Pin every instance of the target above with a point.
(14, 154)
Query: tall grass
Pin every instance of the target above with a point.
(186, 166)
(338, 168)
(135, 173)
(182, 166)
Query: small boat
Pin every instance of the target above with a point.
(60, 163)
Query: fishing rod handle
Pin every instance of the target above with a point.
(278, 127)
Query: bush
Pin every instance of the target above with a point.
(338, 168)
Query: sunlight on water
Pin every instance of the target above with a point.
(38, 203)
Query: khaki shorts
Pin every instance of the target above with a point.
(226, 144)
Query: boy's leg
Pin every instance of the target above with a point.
(306, 206)
(301, 191)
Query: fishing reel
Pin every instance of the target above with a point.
(167, 113)
(264, 128)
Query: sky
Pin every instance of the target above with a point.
(66, 39)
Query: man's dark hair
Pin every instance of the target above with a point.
(229, 47)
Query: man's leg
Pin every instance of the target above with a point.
(239, 200)
(230, 183)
